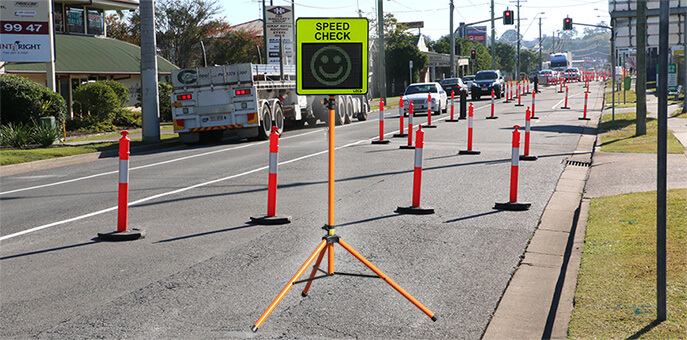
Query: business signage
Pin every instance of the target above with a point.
(279, 34)
(476, 33)
(332, 56)
(25, 31)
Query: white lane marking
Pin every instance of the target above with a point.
(561, 101)
(99, 212)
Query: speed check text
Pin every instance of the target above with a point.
(332, 31)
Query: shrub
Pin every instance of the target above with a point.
(88, 124)
(126, 117)
(45, 134)
(96, 100)
(164, 94)
(120, 90)
(15, 135)
(23, 101)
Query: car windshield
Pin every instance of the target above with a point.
(571, 70)
(485, 75)
(423, 88)
(468, 78)
(449, 81)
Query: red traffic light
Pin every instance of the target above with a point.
(507, 17)
(567, 23)
(473, 54)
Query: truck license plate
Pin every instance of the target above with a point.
(216, 118)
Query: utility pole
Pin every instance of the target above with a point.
(640, 86)
(150, 105)
(453, 43)
(493, 39)
(382, 54)
(517, 74)
(662, 158)
(540, 61)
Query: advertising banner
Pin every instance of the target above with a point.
(24, 31)
(279, 24)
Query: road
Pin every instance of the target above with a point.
(204, 272)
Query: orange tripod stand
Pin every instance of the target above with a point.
(327, 246)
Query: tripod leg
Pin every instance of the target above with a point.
(388, 280)
(288, 286)
(312, 274)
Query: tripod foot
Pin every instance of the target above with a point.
(434, 318)
(254, 329)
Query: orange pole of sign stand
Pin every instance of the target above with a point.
(327, 245)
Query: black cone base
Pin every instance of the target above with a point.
(406, 147)
(492, 117)
(469, 152)
(451, 120)
(383, 141)
(565, 108)
(271, 220)
(583, 118)
(534, 117)
(116, 236)
(429, 126)
(513, 206)
(518, 105)
(414, 210)
(400, 135)
(528, 158)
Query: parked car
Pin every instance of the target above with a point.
(453, 84)
(418, 94)
(484, 82)
(572, 73)
(467, 80)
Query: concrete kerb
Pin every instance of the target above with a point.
(538, 301)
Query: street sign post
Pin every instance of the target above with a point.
(332, 55)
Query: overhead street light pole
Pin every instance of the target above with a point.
(493, 39)
(453, 43)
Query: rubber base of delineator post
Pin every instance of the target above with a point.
(518, 105)
(429, 126)
(582, 118)
(116, 236)
(452, 120)
(271, 220)
(414, 210)
(565, 108)
(469, 152)
(513, 206)
(492, 117)
(406, 147)
(384, 141)
(534, 117)
(528, 158)
(400, 135)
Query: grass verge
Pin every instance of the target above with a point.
(630, 98)
(616, 288)
(620, 135)
(16, 156)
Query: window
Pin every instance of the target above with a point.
(75, 22)
(95, 21)
(58, 17)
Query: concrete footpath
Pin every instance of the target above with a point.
(538, 301)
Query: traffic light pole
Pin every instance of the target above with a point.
(461, 29)
(493, 39)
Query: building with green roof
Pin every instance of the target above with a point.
(83, 53)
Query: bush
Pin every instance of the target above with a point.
(164, 94)
(120, 90)
(88, 124)
(15, 135)
(128, 118)
(23, 101)
(45, 134)
(96, 101)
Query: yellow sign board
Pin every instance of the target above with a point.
(331, 55)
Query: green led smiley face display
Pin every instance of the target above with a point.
(330, 65)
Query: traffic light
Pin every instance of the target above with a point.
(567, 24)
(507, 17)
(473, 54)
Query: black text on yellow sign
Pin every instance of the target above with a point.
(332, 55)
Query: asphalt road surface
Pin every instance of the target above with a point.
(203, 271)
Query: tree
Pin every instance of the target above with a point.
(235, 47)
(400, 49)
(120, 28)
(505, 57)
(529, 60)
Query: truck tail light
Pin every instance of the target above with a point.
(184, 97)
(242, 92)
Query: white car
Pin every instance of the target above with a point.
(419, 93)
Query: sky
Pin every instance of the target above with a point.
(435, 13)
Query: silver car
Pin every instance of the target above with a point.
(419, 93)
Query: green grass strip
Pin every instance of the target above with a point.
(620, 135)
(616, 288)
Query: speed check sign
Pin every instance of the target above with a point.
(332, 55)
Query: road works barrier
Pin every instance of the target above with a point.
(527, 156)
(410, 128)
(122, 233)
(505, 93)
(429, 110)
(469, 151)
(271, 218)
(533, 115)
(513, 203)
(518, 92)
(452, 102)
(381, 139)
(401, 108)
(492, 106)
(566, 99)
(415, 208)
(584, 117)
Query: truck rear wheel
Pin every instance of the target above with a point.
(266, 122)
(349, 111)
(278, 116)
(340, 114)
